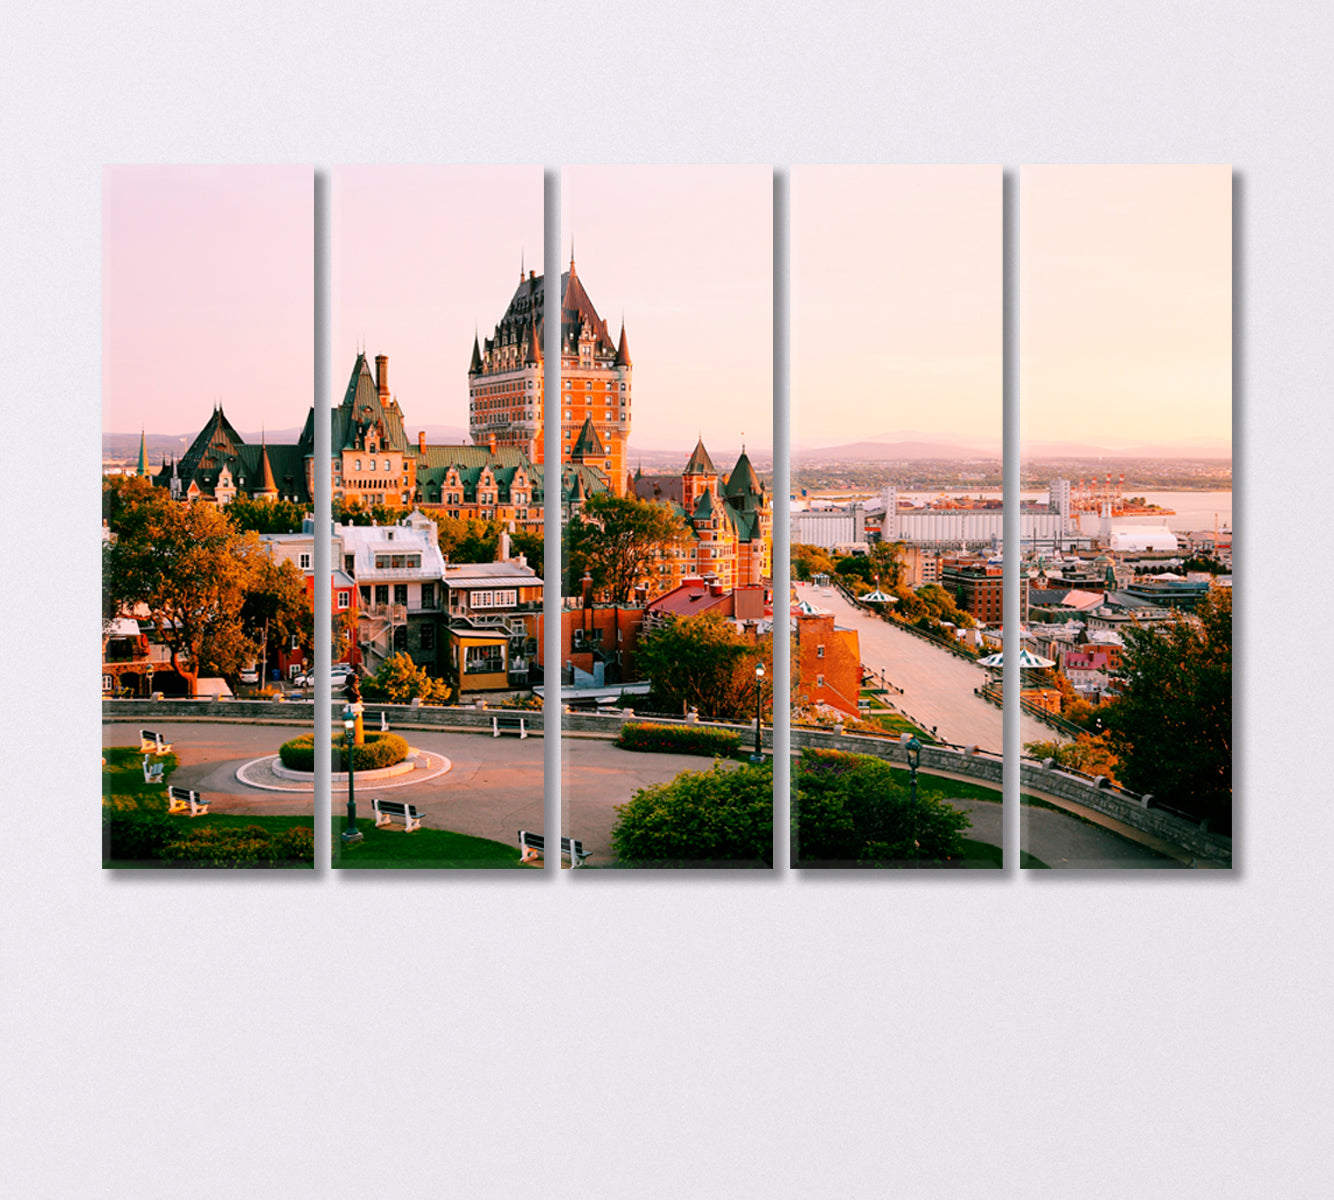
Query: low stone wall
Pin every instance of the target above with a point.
(985, 767)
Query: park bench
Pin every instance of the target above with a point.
(153, 743)
(533, 846)
(385, 810)
(181, 800)
(153, 771)
(500, 724)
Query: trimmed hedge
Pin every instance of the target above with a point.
(380, 750)
(653, 738)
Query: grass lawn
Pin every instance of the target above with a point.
(891, 722)
(422, 848)
(125, 796)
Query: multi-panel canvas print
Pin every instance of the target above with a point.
(896, 519)
(1126, 547)
(665, 436)
(437, 534)
(207, 626)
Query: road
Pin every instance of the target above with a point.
(494, 789)
(937, 686)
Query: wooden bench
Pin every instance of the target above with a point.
(181, 800)
(500, 724)
(533, 846)
(385, 810)
(153, 772)
(153, 743)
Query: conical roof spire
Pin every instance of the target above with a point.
(476, 367)
(700, 463)
(623, 350)
(143, 454)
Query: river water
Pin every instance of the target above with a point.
(1193, 510)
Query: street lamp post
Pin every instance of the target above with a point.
(913, 751)
(758, 756)
(351, 833)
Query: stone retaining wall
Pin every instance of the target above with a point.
(983, 766)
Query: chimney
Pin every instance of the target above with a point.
(421, 441)
(382, 376)
(588, 590)
(491, 443)
(504, 546)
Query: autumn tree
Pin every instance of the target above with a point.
(616, 540)
(1172, 725)
(1090, 753)
(400, 680)
(808, 561)
(191, 572)
(705, 663)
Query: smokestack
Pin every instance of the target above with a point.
(382, 376)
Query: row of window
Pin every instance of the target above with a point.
(400, 594)
(397, 560)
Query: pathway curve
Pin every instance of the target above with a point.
(494, 789)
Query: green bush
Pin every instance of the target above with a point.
(131, 836)
(677, 739)
(247, 846)
(720, 817)
(855, 810)
(380, 750)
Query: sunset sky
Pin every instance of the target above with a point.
(422, 257)
(896, 303)
(207, 290)
(686, 252)
(1126, 304)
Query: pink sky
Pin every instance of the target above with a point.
(1126, 304)
(686, 253)
(896, 303)
(207, 291)
(422, 256)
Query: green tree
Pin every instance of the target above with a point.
(265, 516)
(854, 566)
(467, 539)
(852, 809)
(276, 608)
(720, 817)
(886, 560)
(616, 540)
(400, 680)
(704, 663)
(530, 544)
(1171, 727)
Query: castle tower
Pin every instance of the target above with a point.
(505, 385)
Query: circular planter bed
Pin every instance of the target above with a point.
(379, 751)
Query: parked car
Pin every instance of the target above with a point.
(250, 674)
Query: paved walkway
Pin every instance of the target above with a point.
(937, 686)
(494, 789)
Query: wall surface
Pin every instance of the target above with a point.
(711, 1034)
